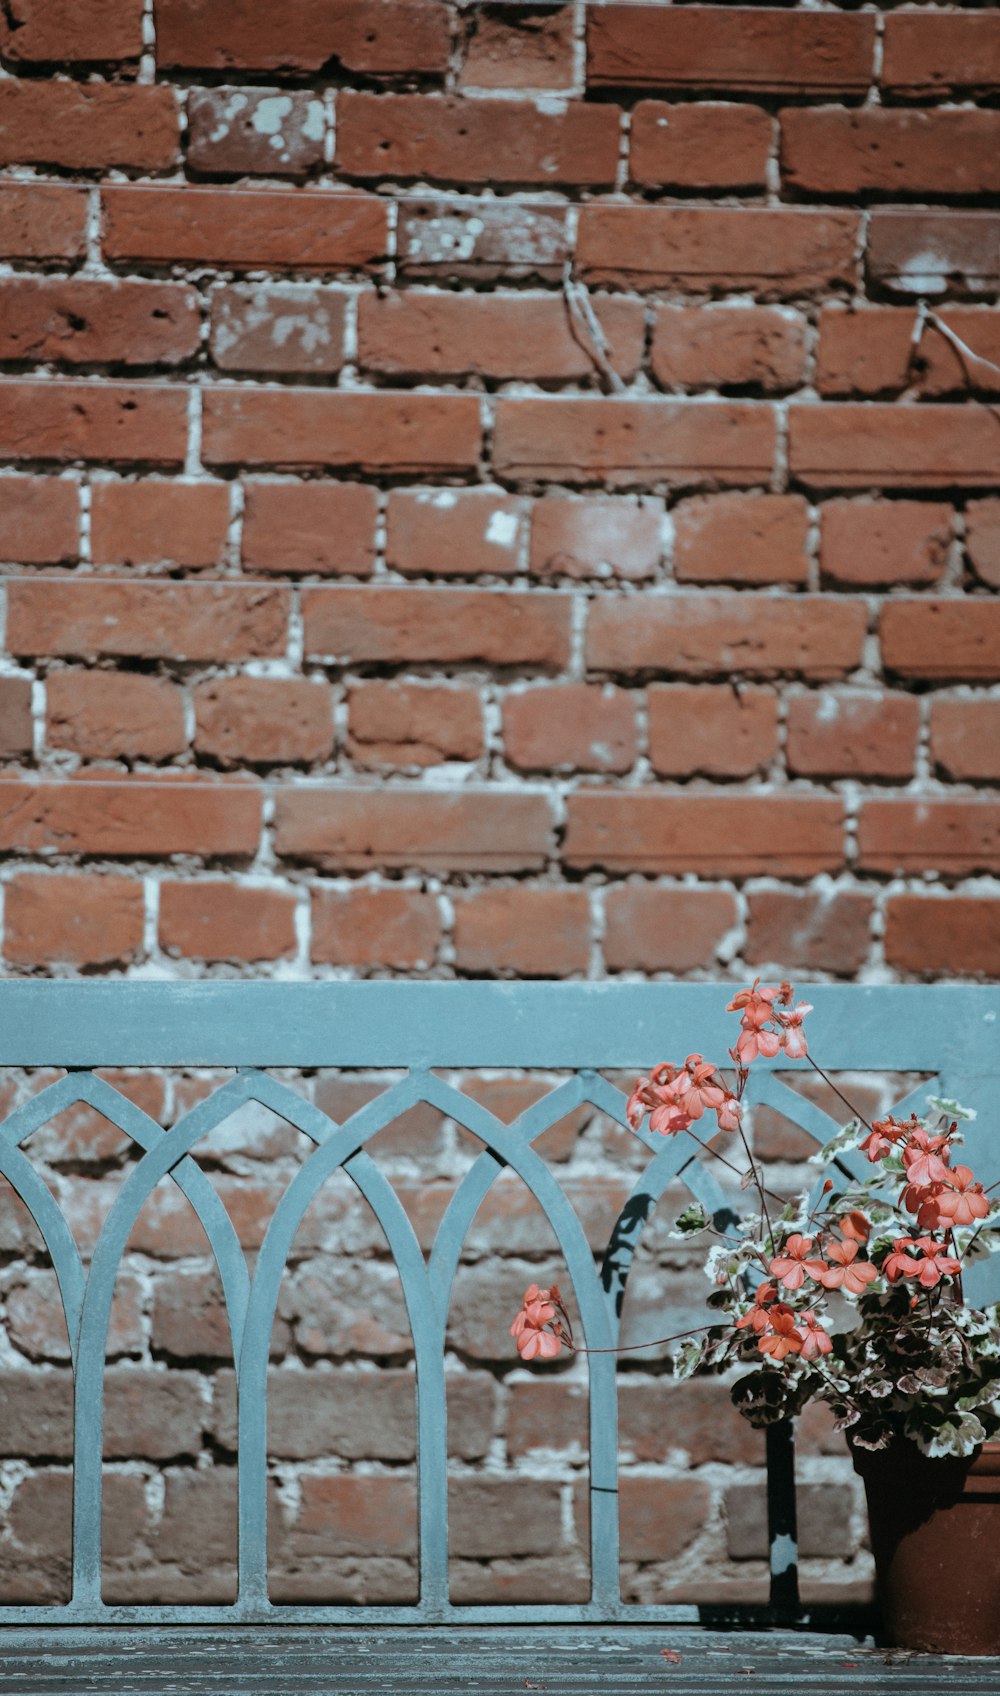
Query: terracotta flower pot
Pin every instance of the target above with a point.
(935, 1529)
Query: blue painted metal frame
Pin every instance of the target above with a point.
(952, 1032)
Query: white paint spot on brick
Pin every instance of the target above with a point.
(502, 529)
(314, 125)
(444, 498)
(923, 274)
(271, 113)
(829, 709)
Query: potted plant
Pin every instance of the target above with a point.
(852, 1295)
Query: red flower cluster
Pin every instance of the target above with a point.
(676, 1096)
(780, 1330)
(940, 1195)
(537, 1329)
(769, 1023)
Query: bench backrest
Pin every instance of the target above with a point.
(952, 1033)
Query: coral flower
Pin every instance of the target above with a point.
(783, 1338)
(844, 1273)
(729, 1114)
(815, 1340)
(961, 1201)
(790, 1267)
(757, 1317)
(693, 1088)
(793, 1037)
(529, 1328)
(925, 1159)
(884, 1134)
(897, 1263)
(755, 1037)
(936, 1264)
(855, 1226)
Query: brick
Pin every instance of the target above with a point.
(809, 930)
(903, 447)
(495, 336)
(244, 228)
(535, 933)
(113, 715)
(45, 418)
(714, 835)
(448, 139)
(95, 617)
(364, 1418)
(323, 529)
(872, 352)
(264, 721)
(956, 838)
(39, 520)
(219, 921)
(278, 327)
(583, 726)
(68, 320)
(741, 539)
(62, 31)
(714, 730)
(935, 252)
(413, 724)
(704, 146)
(16, 736)
(42, 221)
(872, 543)
(503, 1516)
(363, 927)
(481, 240)
(627, 442)
(698, 636)
(825, 1531)
(965, 738)
(88, 125)
(130, 818)
(514, 47)
(659, 1517)
(728, 347)
(957, 937)
(703, 47)
(453, 532)
(949, 639)
(349, 829)
(647, 929)
(596, 536)
(74, 921)
(289, 428)
(149, 1415)
(940, 53)
(40, 1515)
(444, 625)
(254, 131)
(189, 1321)
(159, 522)
(982, 540)
(374, 37)
(841, 733)
(343, 1515)
(778, 251)
(890, 150)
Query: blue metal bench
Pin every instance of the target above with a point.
(255, 1644)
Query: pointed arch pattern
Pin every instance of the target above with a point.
(251, 1299)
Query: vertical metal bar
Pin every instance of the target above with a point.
(781, 1529)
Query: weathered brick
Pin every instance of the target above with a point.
(872, 352)
(90, 618)
(108, 715)
(965, 738)
(264, 721)
(818, 637)
(659, 1517)
(826, 930)
(16, 733)
(704, 47)
(648, 929)
(244, 228)
(45, 418)
(448, 139)
(460, 532)
(585, 726)
(533, 932)
(344, 1515)
(715, 835)
(289, 428)
(982, 540)
(77, 322)
(88, 125)
(497, 336)
(130, 818)
(481, 240)
(37, 1324)
(518, 47)
(504, 1516)
(890, 150)
(318, 528)
(934, 53)
(596, 536)
(700, 146)
(870, 543)
(826, 1514)
(840, 733)
(220, 921)
(76, 921)
(373, 37)
(349, 829)
(42, 221)
(903, 447)
(413, 724)
(159, 522)
(728, 347)
(39, 520)
(955, 838)
(741, 539)
(41, 1508)
(628, 442)
(246, 131)
(714, 730)
(365, 926)
(189, 1321)
(62, 31)
(777, 251)
(937, 638)
(957, 936)
(278, 327)
(451, 626)
(935, 252)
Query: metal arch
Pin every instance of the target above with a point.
(56, 1235)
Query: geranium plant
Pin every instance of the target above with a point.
(851, 1295)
